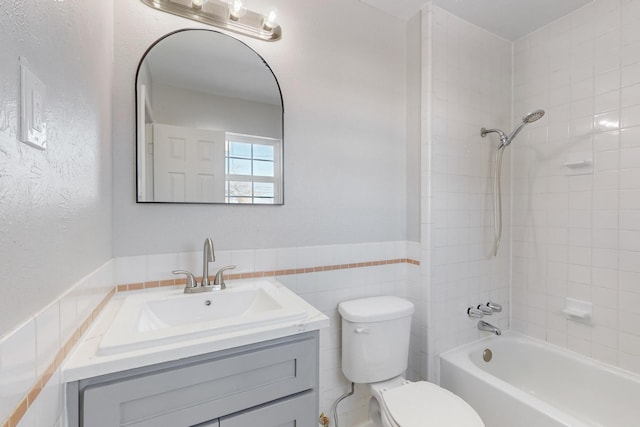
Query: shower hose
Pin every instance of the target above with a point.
(497, 201)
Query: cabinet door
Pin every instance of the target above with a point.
(298, 411)
(189, 394)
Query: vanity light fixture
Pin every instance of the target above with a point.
(231, 15)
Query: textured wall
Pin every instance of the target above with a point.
(55, 210)
(344, 149)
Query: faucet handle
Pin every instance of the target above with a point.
(191, 279)
(494, 306)
(219, 280)
(474, 312)
(486, 310)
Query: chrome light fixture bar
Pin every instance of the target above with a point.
(218, 13)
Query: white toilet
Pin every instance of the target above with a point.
(375, 350)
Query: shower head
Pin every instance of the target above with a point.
(532, 117)
(506, 140)
(529, 118)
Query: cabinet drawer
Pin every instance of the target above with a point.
(195, 392)
(298, 411)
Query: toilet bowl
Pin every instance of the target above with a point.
(402, 403)
(375, 350)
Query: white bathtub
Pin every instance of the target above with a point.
(532, 383)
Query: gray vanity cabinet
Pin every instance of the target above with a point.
(271, 384)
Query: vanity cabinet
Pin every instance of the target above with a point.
(272, 383)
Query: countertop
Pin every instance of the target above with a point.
(85, 362)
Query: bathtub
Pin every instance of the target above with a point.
(532, 383)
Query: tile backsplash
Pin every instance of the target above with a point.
(32, 355)
(31, 391)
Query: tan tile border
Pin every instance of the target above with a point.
(41, 382)
(269, 273)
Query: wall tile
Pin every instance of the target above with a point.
(47, 336)
(17, 366)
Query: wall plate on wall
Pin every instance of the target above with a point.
(33, 129)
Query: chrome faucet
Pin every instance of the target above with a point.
(488, 327)
(207, 256)
(206, 286)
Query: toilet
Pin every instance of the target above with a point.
(375, 351)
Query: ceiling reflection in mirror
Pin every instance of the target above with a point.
(209, 122)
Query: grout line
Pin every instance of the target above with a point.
(29, 399)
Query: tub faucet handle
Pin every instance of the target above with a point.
(494, 306)
(474, 312)
(486, 310)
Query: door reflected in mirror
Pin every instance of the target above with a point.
(209, 122)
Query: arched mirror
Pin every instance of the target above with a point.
(209, 120)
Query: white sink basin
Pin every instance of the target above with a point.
(221, 306)
(169, 316)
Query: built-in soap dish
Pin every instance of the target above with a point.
(580, 311)
(579, 163)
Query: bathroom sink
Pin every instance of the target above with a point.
(170, 316)
(221, 307)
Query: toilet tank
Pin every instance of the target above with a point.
(375, 338)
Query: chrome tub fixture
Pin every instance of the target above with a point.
(488, 327)
(482, 310)
(231, 15)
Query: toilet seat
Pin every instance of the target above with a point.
(420, 404)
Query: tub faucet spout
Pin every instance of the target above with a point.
(207, 256)
(488, 327)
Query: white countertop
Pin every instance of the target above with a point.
(85, 362)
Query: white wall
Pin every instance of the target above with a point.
(185, 108)
(579, 236)
(344, 149)
(466, 85)
(55, 215)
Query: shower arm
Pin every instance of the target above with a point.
(504, 140)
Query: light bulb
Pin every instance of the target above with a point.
(237, 9)
(197, 4)
(270, 21)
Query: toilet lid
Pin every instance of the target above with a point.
(420, 404)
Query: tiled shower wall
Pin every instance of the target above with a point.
(577, 230)
(466, 85)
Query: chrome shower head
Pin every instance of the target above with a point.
(532, 117)
(529, 118)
